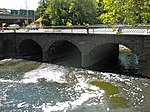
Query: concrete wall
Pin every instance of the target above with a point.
(90, 45)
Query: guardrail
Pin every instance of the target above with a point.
(95, 29)
(100, 29)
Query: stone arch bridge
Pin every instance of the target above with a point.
(88, 49)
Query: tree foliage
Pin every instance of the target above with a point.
(80, 12)
(41, 8)
(126, 11)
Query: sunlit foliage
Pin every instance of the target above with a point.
(80, 12)
(126, 12)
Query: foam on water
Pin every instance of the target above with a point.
(84, 93)
(82, 85)
(68, 104)
(9, 81)
(5, 60)
(50, 73)
(63, 106)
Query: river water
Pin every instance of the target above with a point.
(29, 86)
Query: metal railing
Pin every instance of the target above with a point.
(100, 29)
(92, 29)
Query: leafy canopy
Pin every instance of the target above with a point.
(79, 12)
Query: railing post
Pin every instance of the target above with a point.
(93, 30)
(87, 30)
(71, 30)
(87, 27)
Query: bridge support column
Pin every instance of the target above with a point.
(45, 56)
(1, 47)
(85, 61)
(144, 67)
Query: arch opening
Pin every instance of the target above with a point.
(30, 50)
(64, 53)
(111, 57)
(104, 57)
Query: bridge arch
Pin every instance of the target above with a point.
(63, 50)
(30, 49)
(108, 57)
(103, 56)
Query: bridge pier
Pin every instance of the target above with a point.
(144, 68)
(45, 56)
(85, 61)
(1, 47)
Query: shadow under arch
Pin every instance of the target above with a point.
(64, 53)
(30, 50)
(115, 58)
(104, 57)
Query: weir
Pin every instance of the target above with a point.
(89, 49)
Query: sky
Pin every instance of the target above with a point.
(19, 4)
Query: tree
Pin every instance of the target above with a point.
(80, 12)
(83, 12)
(72, 12)
(125, 12)
(57, 12)
(42, 7)
(100, 10)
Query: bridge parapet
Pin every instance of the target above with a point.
(96, 29)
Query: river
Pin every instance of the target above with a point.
(29, 86)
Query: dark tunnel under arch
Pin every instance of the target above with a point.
(65, 53)
(31, 50)
(104, 57)
(109, 57)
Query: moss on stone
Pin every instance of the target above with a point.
(118, 102)
(26, 68)
(106, 86)
(111, 94)
(15, 68)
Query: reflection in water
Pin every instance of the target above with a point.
(53, 88)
